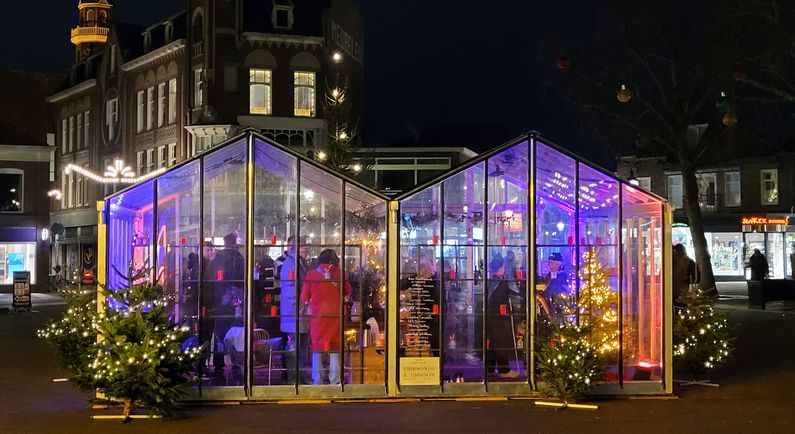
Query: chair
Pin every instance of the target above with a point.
(263, 350)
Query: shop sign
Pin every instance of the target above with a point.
(419, 371)
(764, 221)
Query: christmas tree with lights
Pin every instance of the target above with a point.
(73, 336)
(598, 306)
(569, 365)
(702, 338)
(129, 350)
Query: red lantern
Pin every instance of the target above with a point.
(563, 62)
(738, 72)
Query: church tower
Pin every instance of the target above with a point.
(92, 28)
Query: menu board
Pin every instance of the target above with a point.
(421, 314)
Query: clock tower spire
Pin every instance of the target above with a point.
(92, 28)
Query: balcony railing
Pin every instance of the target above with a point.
(89, 34)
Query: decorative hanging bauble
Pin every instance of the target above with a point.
(563, 62)
(624, 94)
(729, 119)
(723, 105)
(738, 72)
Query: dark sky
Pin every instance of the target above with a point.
(427, 63)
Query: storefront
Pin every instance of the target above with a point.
(241, 239)
(772, 235)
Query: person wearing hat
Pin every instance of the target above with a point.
(501, 340)
(557, 283)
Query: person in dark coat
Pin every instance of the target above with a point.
(683, 272)
(758, 264)
(502, 341)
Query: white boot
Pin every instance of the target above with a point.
(334, 368)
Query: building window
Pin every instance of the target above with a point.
(71, 191)
(111, 117)
(63, 190)
(192, 147)
(282, 14)
(260, 91)
(150, 160)
(707, 190)
(112, 58)
(11, 183)
(161, 157)
(71, 133)
(141, 164)
(731, 187)
(169, 31)
(198, 86)
(86, 130)
(769, 186)
(64, 135)
(17, 257)
(79, 137)
(304, 93)
(141, 105)
(79, 191)
(147, 41)
(675, 192)
(161, 104)
(150, 107)
(644, 182)
(172, 154)
(172, 100)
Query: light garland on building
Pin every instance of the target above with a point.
(118, 173)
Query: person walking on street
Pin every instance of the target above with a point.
(683, 272)
(758, 265)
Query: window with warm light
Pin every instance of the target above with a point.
(304, 101)
(260, 98)
(769, 183)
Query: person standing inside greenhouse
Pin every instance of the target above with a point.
(321, 292)
(292, 270)
(500, 322)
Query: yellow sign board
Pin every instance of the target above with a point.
(419, 371)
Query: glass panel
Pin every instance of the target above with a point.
(178, 244)
(507, 239)
(320, 224)
(642, 288)
(790, 259)
(17, 257)
(130, 235)
(365, 263)
(463, 254)
(224, 290)
(725, 251)
(275, 196)
(597, 274)
(753, 241)
(555, 233)
(775, 254)
(419, 297)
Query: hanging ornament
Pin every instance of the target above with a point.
(738, 72)
(624, 94)
(729, 119)
(563, 62)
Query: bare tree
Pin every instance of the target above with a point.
(657, 75)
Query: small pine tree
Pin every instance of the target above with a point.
(141, 358)
(569, 365)
(73, 336)
(702, 338)
(343, 135)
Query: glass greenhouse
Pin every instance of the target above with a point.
(305, 284)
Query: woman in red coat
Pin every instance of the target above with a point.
(321, 291)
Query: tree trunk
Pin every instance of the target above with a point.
(127, 409)
(696, 224)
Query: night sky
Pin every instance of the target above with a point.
(427, 63)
